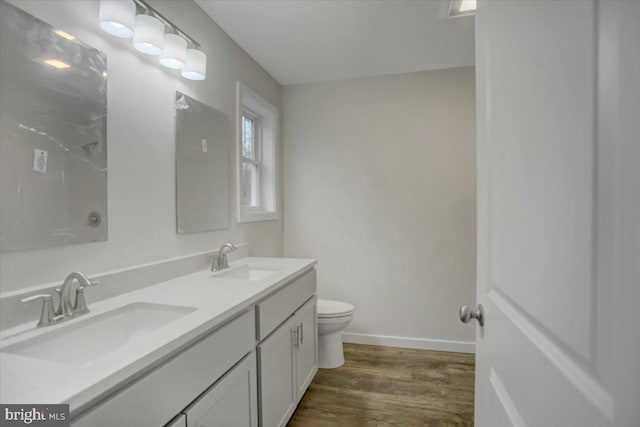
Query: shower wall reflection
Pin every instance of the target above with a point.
(53, 145)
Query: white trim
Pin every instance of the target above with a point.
(247, 99)
(257, 215)
(408, 342)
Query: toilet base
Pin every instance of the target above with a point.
(330, 353)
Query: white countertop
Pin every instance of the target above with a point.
(216, 300)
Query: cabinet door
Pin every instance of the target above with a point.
(307, 347)
(230, 402)
(276, 363)
(179, 421)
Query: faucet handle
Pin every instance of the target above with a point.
(59, 310)
(45, 297)
(47, 315)
(80, 306)
(215, 263)
(224, 263)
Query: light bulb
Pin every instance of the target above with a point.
(117, 17)
(148, 36)
(195, 68)
(174, 51)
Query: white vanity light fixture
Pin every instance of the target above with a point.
(117, 17)
(174, 51)
(148, 36)
(153, 34)
(196, 66)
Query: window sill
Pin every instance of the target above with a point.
(254, 216)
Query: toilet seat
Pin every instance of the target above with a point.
(328, 309)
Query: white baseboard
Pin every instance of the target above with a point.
(406, 342)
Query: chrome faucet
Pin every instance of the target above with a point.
(80, 305)
(66, 309)
(220, 259)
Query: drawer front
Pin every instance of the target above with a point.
(160, 395)
(275, 309)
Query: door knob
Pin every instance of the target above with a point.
(466, 314)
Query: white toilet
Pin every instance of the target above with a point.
(333, 317)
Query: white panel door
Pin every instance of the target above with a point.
(551, 243)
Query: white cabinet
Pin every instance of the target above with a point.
(307, 346)
(273, 310)
(157, 397)
(288, 360)
(219, 380)
(276, 359)
(230, 402)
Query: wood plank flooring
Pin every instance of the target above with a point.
(384, 386)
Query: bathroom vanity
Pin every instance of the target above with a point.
(236, 348)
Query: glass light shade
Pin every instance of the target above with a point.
(118, 17)
(174, 51)
(148, 36)
(467, 5)
(195, 68)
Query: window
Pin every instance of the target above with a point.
(250, 176)
(257, 167)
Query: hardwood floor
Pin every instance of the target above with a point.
(384, 386)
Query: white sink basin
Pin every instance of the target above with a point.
(246, 272)
(85, 341)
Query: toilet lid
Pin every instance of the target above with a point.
(330, 308)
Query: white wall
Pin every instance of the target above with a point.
(141, 149)
(379, 185)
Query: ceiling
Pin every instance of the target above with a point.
(321, 40)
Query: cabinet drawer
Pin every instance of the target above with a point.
(157, 397)
(276, 308)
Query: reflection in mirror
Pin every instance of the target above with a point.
(203, 138)
(53, 146)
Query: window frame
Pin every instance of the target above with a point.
(266, 144)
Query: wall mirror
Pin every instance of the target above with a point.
(53, 145)
(203, 141)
